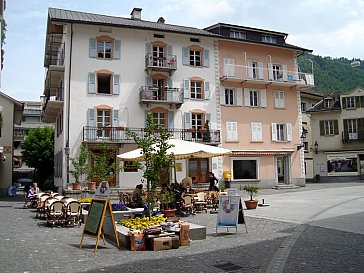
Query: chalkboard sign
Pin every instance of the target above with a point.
(95, 219)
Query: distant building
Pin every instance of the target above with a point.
(31, 120)
(11, 112)
(337, 137)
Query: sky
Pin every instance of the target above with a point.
(328, 27)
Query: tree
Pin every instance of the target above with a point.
(38, 153)
(80, 165)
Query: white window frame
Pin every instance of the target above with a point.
(329, 127)
(257, 171)
(195, 57)
(196, 90)
(237, 34)
(281, 132)
(279, 99)
(303, 106)
(249, 99)
(160, 118)
(353, 128)
(230, 96)
(328, 103)
(229, 67)
(232, 131)
(102, 121)
(254, 98)
(256, 131)
(269, 39)
(350, 103)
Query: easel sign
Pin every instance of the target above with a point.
(95, 220)
(228, 212)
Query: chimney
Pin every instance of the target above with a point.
(136, 14)
(161, 20)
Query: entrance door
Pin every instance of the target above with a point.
(199, 169)
(159, 86)
(282, 170)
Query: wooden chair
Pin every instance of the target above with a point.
(200, 202)
(73, 212)
(187, 205)
(41, 205)
(55, 214)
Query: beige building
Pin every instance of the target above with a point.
(259, 89)
(337, 136)
(11, 112)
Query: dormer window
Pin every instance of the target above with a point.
(328, 103)
(237, 34)
(350, 102)
(269, 39)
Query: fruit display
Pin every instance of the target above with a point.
(84, 200)
(119, 207)
(142, 223)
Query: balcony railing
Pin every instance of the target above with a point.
(120, 135)
(349, 137)
(167, 63)
(169, 95)
(256, 74)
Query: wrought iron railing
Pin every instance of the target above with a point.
(160, 94)
(167, 61)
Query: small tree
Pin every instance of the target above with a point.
(157, 163)
(80, 165)
(38, 153)
(103, 164)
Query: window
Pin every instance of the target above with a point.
(159, 118)
(103, 82)
(196, 90)
(281, 132)
(350, 102)
(303, 107)
(279, 99)
(328, 103)
(130, 167)
(256, 131)
(195, 40)
(255, 70)
(195, 57)
(269, 39)
(237, 34)
(230, 97)
(103, 120)
(104, 49)
(231, 131)
(352, 128)
(329, 127)
(229, 67)
(160, 36)
(158, 56)
(255, 97)
(245, 169)
(277, 72)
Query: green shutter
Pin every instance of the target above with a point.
(336, 127)
(362, 101)
(357, 102)
(346, 130)
(322, 127)
(343, 103)
(360, 122)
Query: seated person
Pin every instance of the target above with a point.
(33, 191)
(137, 200)
(186, 183)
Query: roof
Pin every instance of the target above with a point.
(311, 93)
(320, 106)
(18, 108)
(70, 16)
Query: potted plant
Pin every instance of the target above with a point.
(251, 190)
(206, 135)
(191, 130)
(80, 167)
(167, 203)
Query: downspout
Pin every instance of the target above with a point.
(69, 107)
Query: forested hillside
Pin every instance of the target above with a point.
(333, 74)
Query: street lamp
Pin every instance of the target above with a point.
(315, 147)
(302, 137)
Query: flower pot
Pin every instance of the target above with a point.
(191, 130)
(168, 212)
(76, 186)
(120, 128)
(251, 204)
(91, 186)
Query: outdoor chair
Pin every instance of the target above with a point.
(187, 205)
(200, 202)
(73, 213)
(55, 214)
(41, 205)
(59, 197)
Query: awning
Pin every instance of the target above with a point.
(261, 152)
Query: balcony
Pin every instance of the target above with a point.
(52, 106)
(166, 64)
(260, 75)
(120, 135)
(352, 137)
(161, 95)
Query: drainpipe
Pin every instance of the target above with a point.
(69, 107)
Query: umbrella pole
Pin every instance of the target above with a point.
(174, 168)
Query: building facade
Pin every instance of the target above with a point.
(338, 131)
(259, 90)
(11, 112)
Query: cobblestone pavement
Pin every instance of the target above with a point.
(28, 245)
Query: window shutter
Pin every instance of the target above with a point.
(274, 131)
(207, 90)
(116, 87)
(246, 97)
(92, 48)
(92, 83)
(169, 52)
(322, 127)
(148, 81)
(222, 96)
(284, 72)
(357, 102)
(346, 129)
(276, 99)
(148, 48)
(235, 131)
(208, 117)
(283, 100)
(239, 96)
(253, 129)
(362, 101)
(250, 69)
(185, 56)
(259, 131)
(336, 127)
(360, 122)
(263, 98)
(170, 119)
(229, 131)
(91, 117)
(206, 58)
(260, 70)
(343, 103)
(117, 49)
(270, 71)
(289, 131)
(148, 57)
(186, 89)
(187, 116)
(115, 118)
(169, 83)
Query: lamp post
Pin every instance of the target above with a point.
(315, 147)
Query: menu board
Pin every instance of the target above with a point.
(228, 211)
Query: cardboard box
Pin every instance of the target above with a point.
(185, 235)
(164, 243)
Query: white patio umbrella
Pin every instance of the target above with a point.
(181, 150)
